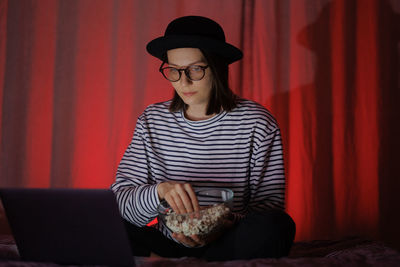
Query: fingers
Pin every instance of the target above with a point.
(186, 194)
(178, 202)
(198, 240)
(193, 197)
(181, 197)
(191, 241)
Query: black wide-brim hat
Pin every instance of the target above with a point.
(194, 32)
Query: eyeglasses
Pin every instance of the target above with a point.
(194, 73)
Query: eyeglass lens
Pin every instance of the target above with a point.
(194, 73)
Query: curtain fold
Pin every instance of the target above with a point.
(74, 77)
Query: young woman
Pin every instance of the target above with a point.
(204, 137)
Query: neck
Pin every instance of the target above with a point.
(197, 113)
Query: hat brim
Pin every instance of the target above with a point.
(159, 46)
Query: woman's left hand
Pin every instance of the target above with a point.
(198, 241)
(191, 241)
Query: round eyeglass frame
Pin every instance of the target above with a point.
(185, 70)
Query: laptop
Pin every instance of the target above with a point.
(67, 226)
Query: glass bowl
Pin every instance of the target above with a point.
(215, 205)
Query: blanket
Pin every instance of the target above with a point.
(352, 251)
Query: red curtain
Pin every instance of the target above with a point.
(74, 76)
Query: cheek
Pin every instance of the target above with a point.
(175, 86)
(209, 85)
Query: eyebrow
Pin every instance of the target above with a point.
(199, 61)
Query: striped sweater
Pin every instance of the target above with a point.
(240, 150)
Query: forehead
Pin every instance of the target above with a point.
(185, 56)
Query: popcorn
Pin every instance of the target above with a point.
(197, 223)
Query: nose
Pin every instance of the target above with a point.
(184, 79)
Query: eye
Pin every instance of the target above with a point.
(195, 68)
(172, 70)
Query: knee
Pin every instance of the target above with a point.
(276, 223)
(271, 233)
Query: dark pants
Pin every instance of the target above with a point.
(266, 234)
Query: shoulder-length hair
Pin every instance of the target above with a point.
(221, 96)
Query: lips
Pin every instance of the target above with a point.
(187, 94)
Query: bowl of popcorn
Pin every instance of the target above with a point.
(215, 205)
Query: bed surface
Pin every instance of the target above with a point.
(353, 251)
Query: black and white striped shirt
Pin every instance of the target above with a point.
(240, 150)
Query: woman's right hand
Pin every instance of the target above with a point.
(180, 196)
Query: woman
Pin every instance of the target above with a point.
(204, 137)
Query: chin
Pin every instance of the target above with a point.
(188, 101)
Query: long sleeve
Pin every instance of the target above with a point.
(267, 175)
(136, 193)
